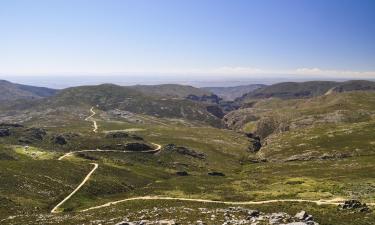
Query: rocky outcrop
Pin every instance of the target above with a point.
(255, 143)
(354, 205)
(137, 147)
(205, 98)
(184, 151)
(4, 132)
(208, 216)
(303, 216)
(117, 134)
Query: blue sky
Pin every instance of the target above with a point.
(217, 37)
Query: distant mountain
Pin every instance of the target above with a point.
(11, 91)
(171, 90)
(231, 93)
(294, 90)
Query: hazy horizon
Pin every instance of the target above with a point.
(60, 82)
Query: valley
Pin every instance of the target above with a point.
(103, 153)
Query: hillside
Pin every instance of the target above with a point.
(289, 90)
(110, 97)
(231, 93)
(11, 91)
(294, 90)
(292, 124)
(141, 156)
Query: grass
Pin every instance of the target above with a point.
(33, 181)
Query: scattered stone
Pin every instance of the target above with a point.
(253, 213)
(231, 216)
(296, 223)
(199, 222)
(125, 223)
(301, 215)
(166, 222)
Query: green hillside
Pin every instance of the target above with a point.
(109, 97)
(312, 149)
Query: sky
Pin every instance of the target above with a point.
(220, 38)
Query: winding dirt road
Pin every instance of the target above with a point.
(90, 118)
(157, 149)
(54, 210)
(335, 201)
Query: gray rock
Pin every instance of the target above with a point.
(355, 205)
(125, 223)
(200, 222)
(253, 213)
(301, 215)
(166, 222)
(295, 223)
